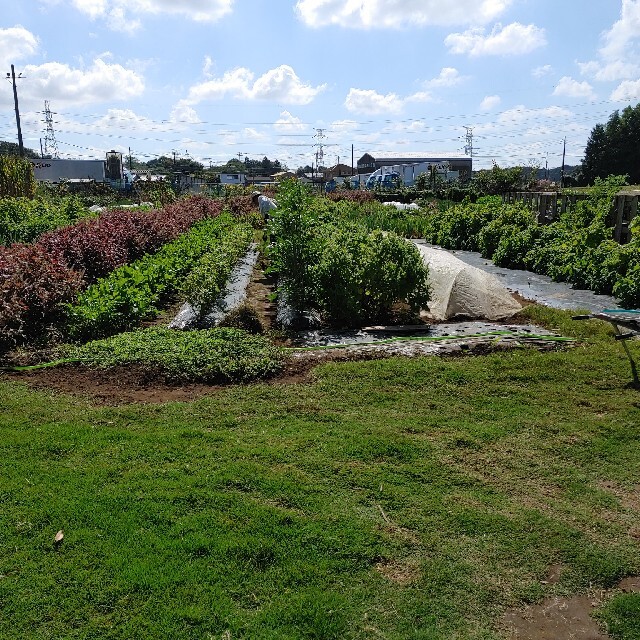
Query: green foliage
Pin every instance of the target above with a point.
(622, 616)
(613, 148)
(577, 248)
(338, 266)
(13, 149)
(210, 355)
(206, 281)
(398, 498)
(132, 292)
(458, 227)
(496, 181)
(16, 177)
(292, 226)
(245, 317)
(24, 219)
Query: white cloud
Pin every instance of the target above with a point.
(617, 58)
(123, 15)
(489, 103)
(288, 123)
(573, 89)
(448, 77)
(278, 85)
(207, 67)
(521, 117)
(514, 39)
(627, 91)
(184, 113)
(101, 82)
(384, 14)
(609, 71)
(16, 43)
(522, 114)
(540, 72)
(625, 30)
(370, 102)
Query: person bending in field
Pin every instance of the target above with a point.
(264, 204)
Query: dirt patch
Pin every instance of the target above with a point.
(260, 293)
(401, 572)
(563, 618)
(556, 619)
(137, 384)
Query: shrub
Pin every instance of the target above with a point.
(244, 317)
(32, 290)
(97, 247)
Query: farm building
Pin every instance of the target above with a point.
(55, 170)
(462, 165)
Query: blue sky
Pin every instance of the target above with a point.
(211, 79)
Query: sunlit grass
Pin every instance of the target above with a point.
(400, 498)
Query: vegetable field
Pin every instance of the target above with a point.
(249, 494)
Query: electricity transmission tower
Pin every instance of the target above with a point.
(50, 143)
(468, 147)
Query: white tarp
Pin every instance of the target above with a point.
(458, 289)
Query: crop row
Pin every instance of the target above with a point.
(97, 247)
(578, 248)
(132, 292)
(215, 355)
(35, 280)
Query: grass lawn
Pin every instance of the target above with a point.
(388, 499)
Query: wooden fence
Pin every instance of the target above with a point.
(548, 207)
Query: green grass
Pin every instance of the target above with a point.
(387, 499)
(622, 616)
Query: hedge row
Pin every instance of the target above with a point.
(97, 247)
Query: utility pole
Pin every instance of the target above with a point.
(130, 165)
(12, 75)
(564, 150)
(546, 165)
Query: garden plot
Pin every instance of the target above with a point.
(232, 295)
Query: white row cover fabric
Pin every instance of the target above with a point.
(458, 289)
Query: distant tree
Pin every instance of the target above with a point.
(164, 164)
(614, 148)
(300, 171)
(12, 149)
(496, 180)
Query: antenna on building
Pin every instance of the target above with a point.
(50, 143)
(468, 138)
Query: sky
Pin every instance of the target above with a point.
(331, 79)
